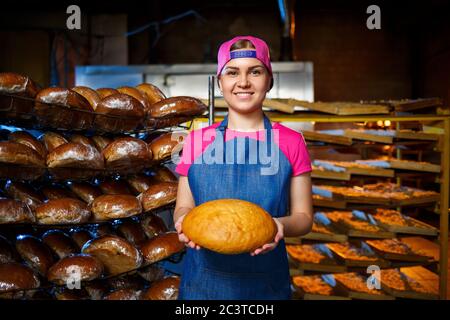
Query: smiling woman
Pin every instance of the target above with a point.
(274, 175)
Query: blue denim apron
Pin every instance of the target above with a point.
(210, 275)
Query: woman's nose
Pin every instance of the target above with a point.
(243, 81)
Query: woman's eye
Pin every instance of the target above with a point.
(256, 72)
(231, 73)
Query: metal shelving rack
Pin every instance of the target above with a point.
(444, 148)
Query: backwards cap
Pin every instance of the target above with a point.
(261, 52)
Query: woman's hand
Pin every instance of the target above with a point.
(182, 237)
(270, 246)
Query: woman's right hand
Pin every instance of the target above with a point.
(182, 237)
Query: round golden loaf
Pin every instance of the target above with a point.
(229, 226)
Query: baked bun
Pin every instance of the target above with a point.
(89, 94)
(140, 183)
(165, 289)
(107, 207)
(127, 153)
(35, 253)
(116, 254)
(114, 187)
(163, 146)
(124, 294)
(164, 174)
(105, 92)
(135, 93)
(14, 153)
(55, 192)
(153, 225)
(80, 236)
(151, 273)
(63, 211)
(177, 106)
(52, 140)
(7, 253)
(161, 247)
(28, 140)
(101, 142)
(229, 226)
(13, 211)
(85, 191)
(151, 92)
(105, 229)
(75, 155)
(24, 193)
(60, 243)
(78, 138)
(15, 276)
(86, 266)
(121, 113)
(132, 231)
(18, 85)
(159, 195)
(63, 108)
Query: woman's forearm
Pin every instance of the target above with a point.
(297, 224)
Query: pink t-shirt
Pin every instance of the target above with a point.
(290, 142)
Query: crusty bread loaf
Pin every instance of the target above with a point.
(22, 192)
(163, 146)
(135, 93)
(52, 140)
(17, 85)
(60, 243)
(164, 289)
(114, 187)
(86, 268)
(15, 276)
(13, 211)
(53, 192)
(127, 153)
(132, 231)
(163, 174)
(80, 236)
(105, 92)
(15, 153)
(7, 252)
(177, 106)
(75, 155)
(152, 92)
(229, 226)
(107, 207)
(78, 138)
(85, 191)
(27, 139)
(116, 254)
(153, 225)
(118, 113)
(140, 183)
(63, 108)
(35, 253)
(159, 195)
(62, 211)
(89, 94)
(151, 273)
(101, 142)
(161, 247)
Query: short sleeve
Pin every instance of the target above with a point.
(300, 159)
(186, 160)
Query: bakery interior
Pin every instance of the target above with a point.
(372, 104)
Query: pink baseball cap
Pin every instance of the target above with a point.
(261, 52)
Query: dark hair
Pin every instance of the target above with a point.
(242, 44)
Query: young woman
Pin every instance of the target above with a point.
(277, 179)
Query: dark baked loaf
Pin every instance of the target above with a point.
(63, 108)
(177, 106)
(35, 253)
(101, 142)
(163, 146)
(153, 225)
(132, 231)
(22, 192)
(15, 276)
(81, 236)
(127, 154)
(140, 183)
(15, 153)
(52, 140)
(164, 289)
(161, 247)
(61, 244)
(7, 252)
(163, 174)
(135, 93)
(105, 92)
(159, 195)
(13, 211)
(75, 155)
(153, 93)
(107, 207)
(85, 267)
(62, 211)
(85, 191)
(89, 94)
(114, 187)
(27, 139)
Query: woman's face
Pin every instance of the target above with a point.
(244, 83)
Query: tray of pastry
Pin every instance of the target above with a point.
(358, 254)
(395, 221)
(357, 224)
(125, 109)
(326, 202)
(343, 170)
(383, 193)
(387, 136)
(74, 156)
(84, 203)
(392, 163)
(410, 283)
(324, 230)
(394, 249)
(313, 257)
(355, 286)
(314, 287)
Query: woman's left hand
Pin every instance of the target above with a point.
(270, 246)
